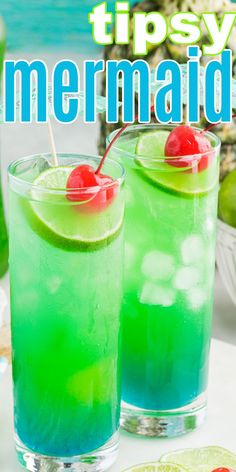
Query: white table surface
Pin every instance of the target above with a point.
(219, 429)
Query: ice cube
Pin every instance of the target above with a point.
(192, 249)
(158, 265)
(153, 294)
(187, 277)
(196, 296)
(54, 283)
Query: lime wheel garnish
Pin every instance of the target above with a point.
(64, 224)
(168, 173)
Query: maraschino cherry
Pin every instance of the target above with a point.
(223, 469)
(103, 188)
(187, 141)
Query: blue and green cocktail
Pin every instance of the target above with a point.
(171, 206)
(66, 290)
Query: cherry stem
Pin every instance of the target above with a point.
(114, 140)
(213, 125)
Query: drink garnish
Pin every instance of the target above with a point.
(182, 141)
(223, 469)
(80, 176)
(150, 152)
(58, 223)
(96, 190)
(186, 141)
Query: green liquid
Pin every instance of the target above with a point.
(169, 275)
(65, 309)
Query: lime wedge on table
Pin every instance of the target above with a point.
(174, 179)
(204, 459)
(61, 223)
(227, 199)
(157, 467)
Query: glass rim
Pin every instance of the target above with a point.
(160, 159)
(62, 191)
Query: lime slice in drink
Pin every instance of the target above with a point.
(152, 144)
(227, 199)
(62, 223)
(205, 459)
(151, 156)
(157, 467)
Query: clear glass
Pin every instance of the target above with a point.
(66, 292)
(170, 230)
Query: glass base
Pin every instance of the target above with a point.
(96, 461)
(163, 424)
